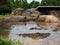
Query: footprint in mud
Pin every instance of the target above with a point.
(36, 35)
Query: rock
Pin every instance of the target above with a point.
(18, 11)
(42, 18)
(56, 29)
(52, 19)
(32, 9)
(53, 13)
(34, 13)
(48, 18)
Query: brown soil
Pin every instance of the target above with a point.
(5, 33)
(36, 35)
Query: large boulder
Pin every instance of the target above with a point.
(34, 13)
(51, 18)
(53, 12)
(18, 11)
(42, 18)
(48, 18)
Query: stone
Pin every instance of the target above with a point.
(53, 12)
(48, 18)
(34, 13)
(51, 18)
(18, 11)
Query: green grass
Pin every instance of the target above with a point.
(8, 42)
(5, 16)
(59, 18)
(1, 29)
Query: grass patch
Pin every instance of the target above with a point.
(59, 18)
(5, 16)
(1, 29)
(8, 42)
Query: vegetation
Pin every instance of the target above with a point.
(34, 4)
(50, 3)
(1, 29)
(8, 42)
(4, 7)
(18, 4)
(23, 4)
(59, 18)
(5, 16)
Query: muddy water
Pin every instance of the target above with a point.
(35, 33)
